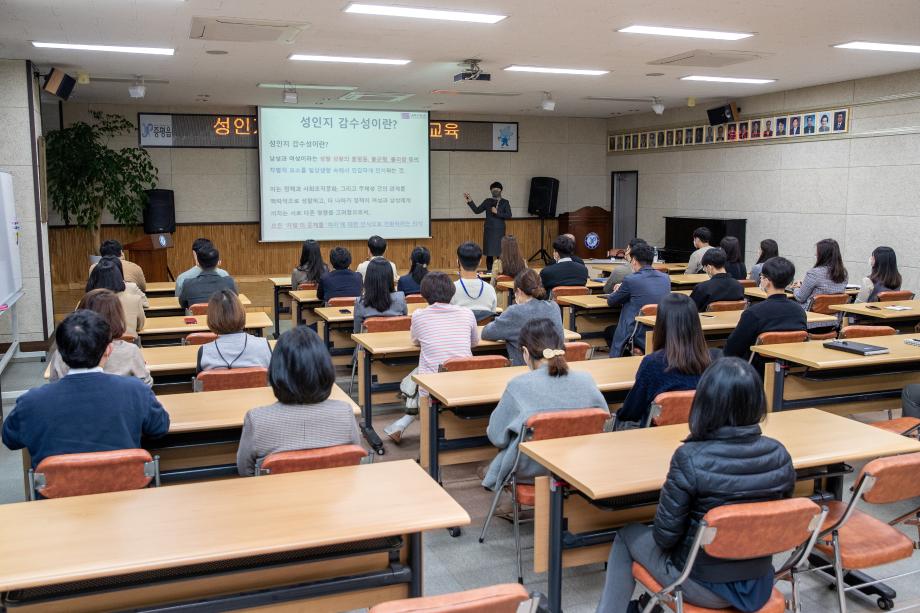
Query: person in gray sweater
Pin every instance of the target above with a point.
(623, 269)
(378, 298)
(301, 375)
(549, 386)
(529, 304)
(234, 347)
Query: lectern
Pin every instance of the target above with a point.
(592, 227)
(149, 253)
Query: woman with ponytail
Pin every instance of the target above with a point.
(549, 386)
(529, 303)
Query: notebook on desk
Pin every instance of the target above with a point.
(858, 348)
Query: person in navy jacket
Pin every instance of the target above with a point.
(339, 282)
(644, 286)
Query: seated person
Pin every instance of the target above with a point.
(378, 299)
(234, 347)
(677, 361)
(829, 275)
(884, 276)
(910, 400)
(198, 290)
(734, 259)
(619, 273)
(575, 258)
(376, 247)
(311, 266)
(87, 410)
(340, 282)
(510, 263)
(301, 375)
(720, 287)
(107, 275)
(194, 271)
(411, 283)
(549, 386)
(565, 271)
(768, 249)
(125, 358)
(529, 303)
(701, 238)
(725, 441)
(775, 314)
(471, 291)
(131, 271)
(442, 331)
(644, 286)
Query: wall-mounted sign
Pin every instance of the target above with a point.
(449, 135)
(204, 131)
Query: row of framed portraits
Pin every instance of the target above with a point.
(799, 125)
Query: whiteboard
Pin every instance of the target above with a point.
(10, 269)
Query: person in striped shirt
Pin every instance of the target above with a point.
(442, 331)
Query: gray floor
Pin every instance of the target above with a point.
(453, 564)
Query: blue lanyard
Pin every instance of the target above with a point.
(482, 287)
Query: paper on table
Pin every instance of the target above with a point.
(898, 307)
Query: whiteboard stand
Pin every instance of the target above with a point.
(13, 352)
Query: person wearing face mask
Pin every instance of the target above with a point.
(775, 314)
(497, 210)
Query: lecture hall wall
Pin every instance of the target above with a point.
(862, 189)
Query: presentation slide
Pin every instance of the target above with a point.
(343, 175)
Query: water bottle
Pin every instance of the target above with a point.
(656, 254)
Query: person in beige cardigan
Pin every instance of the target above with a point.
(510, 262)
(131, 271)
(108, 275)
(124, 358)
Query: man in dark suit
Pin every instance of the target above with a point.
(575, 258)
(340, 282)
(794, 129)
(199, 289)
(565, 271)
(645, 286)
(497, 210)
(720, 287)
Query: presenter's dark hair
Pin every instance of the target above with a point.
(301, 371)
(226, 314)
(340, 258)
(110, 247)
(495, 184)
(511, 258)
(200, 243)
(885, 268)
(714, 257)
(768, 249)
(419, 261)
(208, 257)
(829, 256)
(530, 284)
(437, 287)
(779, 271)
(730, 393)
(311, 261)
(703, 233)
(378, 285)
(732, 248)
(469, 254)
(564, 245)
(678, 332)
(377, 245)
(108, 306)
(107, 275)
(539, 334)
(644, 254)
(82, 338)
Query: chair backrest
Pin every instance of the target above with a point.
(200, 338)
(891, 296)
(577, 351)
(78, 474)
(342, 301)
(307, 285)
(415, 299)
(562, 424)
(199, 308)
(866, 331)
(311, 459)
(823, 302)
(671, 408)
(758, 529)
(649, 309)
(778, 338)
(726, 305)
(504, 278)
(231, 378)
(570, 290)
(388, 324)
(895, 478)
(128, 338)
(476, 362)
(503, 598)
(747, 283)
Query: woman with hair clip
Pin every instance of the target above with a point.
(311, 266)
(829, 276)
(549, 386)
(510, 262)
(378, 298)
(768, 249)
(884, 276)
(529, 303)
(411, 283)
(677, 361)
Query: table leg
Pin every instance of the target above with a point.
(554, 580)
(370, 434)
(326, 335)
(779, 383)
(277, 311)
(433, 468)
(299, 319)
(573, 314)
(415, 564)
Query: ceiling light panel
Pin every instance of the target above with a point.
(420, 13)
(685, 32)
(109, 48)
(347, 60)
(548, 70)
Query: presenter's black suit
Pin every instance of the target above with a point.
(494, 229)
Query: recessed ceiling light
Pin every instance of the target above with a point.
(113, 49)
(417, 13)
(727, 80)
(343, 88)
(686, 32)
(347, 60)
(216, 52)
(543, 69)
(865, 46)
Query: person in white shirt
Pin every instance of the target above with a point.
(701, 239)
(471, 291)
(376, 247)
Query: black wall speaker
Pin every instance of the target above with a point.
(723, 114)
(58, 83)
(160, 212)
(543, 194)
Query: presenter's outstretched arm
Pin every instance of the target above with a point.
(477, 209)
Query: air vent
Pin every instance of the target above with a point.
(374, 97)
(701, 58)
(451, 92)
(245, 30)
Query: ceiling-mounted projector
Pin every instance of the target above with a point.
(471, 72)
(137, 91)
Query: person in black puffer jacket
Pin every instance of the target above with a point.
(725, 460)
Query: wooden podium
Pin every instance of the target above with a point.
(149, 253)
(592, 227)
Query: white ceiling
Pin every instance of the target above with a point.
(795, 36)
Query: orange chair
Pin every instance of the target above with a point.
(745, 283)
(79, 474)
(476, 362)
(309, 285)
(504, 278)
(905, 426)
(311, 459)
(128, 338)
(892, 296)
(231, 379)
(200, 338)
(853, 540)
(742, 532)
(541, 427)
(344, 301)
(669, 408)
(388, 324)
(503, 598)
(866, 331)
(780, 338)
(569, 290)
(415, 299)
(726, 305)
(577, 351)
(200, 308)
(821, 304)
(650, 310)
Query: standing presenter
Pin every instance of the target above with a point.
(497, 210)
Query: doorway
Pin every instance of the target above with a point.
(624, 198)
